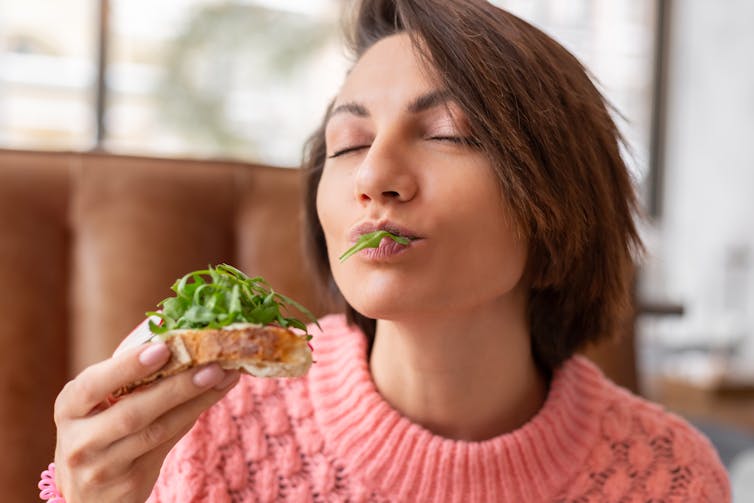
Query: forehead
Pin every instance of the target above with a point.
(388, 72)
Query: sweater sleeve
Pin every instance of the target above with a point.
(646, 453)
(708, 480)
(684, 461)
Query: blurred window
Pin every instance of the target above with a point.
(245, 79)
(47, 74)
(249, 79)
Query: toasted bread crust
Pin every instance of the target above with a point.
(263, 351)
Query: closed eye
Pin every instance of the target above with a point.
(451, 139)
(346, 151)
(459, 140)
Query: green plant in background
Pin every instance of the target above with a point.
(232, 46)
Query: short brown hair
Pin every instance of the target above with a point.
(549, 137)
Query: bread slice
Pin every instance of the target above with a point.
(262, 351)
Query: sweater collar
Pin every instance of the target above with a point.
(401, 460)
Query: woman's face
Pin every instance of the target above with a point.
(394, 161)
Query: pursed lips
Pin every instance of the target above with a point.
(367, 227)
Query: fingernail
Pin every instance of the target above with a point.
(230, 378)
(154, 353)
(208, 376)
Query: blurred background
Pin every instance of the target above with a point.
(248, 80)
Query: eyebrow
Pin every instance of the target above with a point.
(417, 105)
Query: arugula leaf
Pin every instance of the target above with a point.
(372, 240)
(218, 296)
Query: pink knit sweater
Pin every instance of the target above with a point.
(331, 437)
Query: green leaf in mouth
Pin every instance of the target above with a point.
(372, 240)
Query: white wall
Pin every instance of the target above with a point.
(708, 217)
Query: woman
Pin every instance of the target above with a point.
(453, 376)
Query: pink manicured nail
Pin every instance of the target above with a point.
(208, 376)
(155, 353)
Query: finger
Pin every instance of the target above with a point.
(98, 381)
(138, 336)
(153, 459)
(106, 469)
(127, 482)
(137, 411)
(147, 467)
(161, 434)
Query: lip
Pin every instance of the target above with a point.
(388, 248)
(391, 227)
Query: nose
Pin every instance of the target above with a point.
(385, 176)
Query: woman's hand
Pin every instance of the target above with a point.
(114, 453)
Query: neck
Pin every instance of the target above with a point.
(463, 375)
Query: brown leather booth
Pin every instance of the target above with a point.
(88, 242)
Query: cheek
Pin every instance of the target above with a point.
(493, 250)
(325, 200)
(332, 206)
(470, 198)
(334, 212)
(321, 202)
(505, 251)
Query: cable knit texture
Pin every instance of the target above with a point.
(330, 437)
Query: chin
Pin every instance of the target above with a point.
(377, 309)
(377, 303)
(378, 295)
